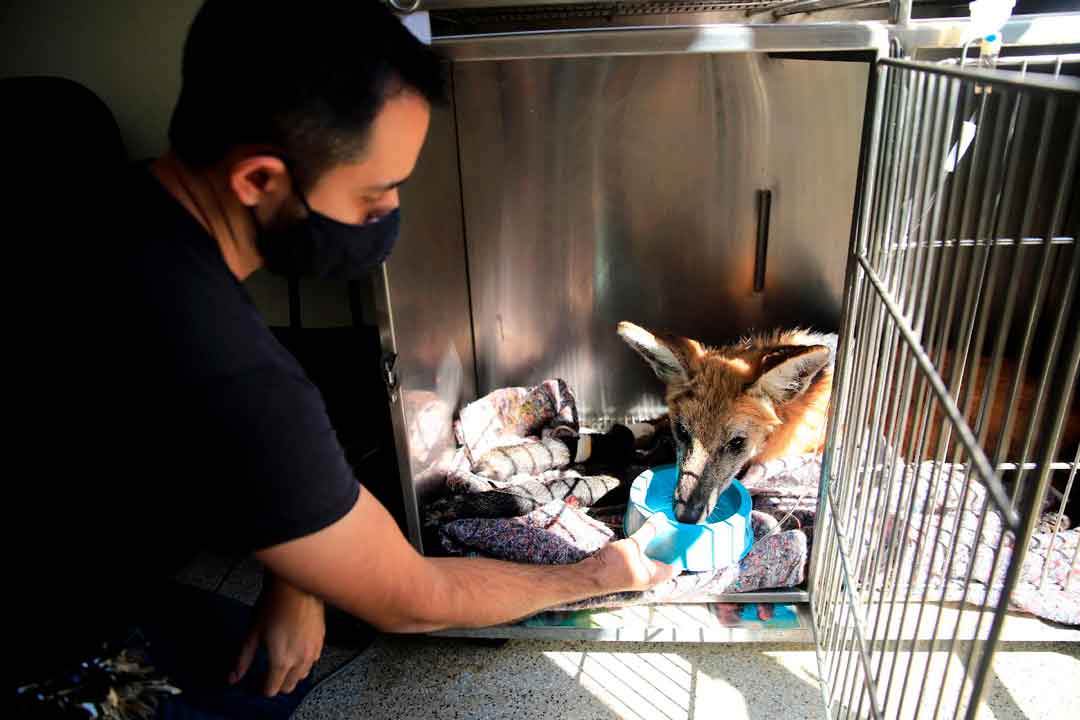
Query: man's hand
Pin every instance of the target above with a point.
(291, 623)
(623, 565)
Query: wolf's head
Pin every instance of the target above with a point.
(724, 405)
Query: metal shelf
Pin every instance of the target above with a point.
(697, 623)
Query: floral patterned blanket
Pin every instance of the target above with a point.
(943, 512)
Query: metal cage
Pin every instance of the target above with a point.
(952, 441)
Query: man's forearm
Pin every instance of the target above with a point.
(364, 565)
(477, 592)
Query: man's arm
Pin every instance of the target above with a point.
(364, 565)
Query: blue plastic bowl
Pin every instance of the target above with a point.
(724, 538)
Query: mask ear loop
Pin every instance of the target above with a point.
(293, 181)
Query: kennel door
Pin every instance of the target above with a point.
(962, 277)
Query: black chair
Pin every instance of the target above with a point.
(62, 156)
(57, 136)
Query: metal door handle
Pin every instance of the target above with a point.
(764, 207)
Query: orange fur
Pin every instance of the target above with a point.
(1023, 414)
(716, 397)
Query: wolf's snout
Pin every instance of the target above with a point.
(692, 513)
(688, 505)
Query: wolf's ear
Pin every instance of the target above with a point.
(787, 371)
(672, 358)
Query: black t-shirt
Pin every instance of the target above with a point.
(162, 418)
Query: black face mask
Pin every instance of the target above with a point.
(323, 247)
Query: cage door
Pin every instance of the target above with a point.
(952, 440)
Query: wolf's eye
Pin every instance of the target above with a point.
(736, 444)
(681, 433)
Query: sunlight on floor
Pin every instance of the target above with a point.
(1019, 684)
(1032, 681)
(667, 686)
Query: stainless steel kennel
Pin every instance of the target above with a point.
(590, 171)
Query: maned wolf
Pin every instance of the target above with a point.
(757, 399)
(768, 395)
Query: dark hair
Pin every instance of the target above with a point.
(306, 77)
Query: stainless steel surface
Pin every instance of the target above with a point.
(762, 596)
(664, 41)
(599, 190)
(423, 306)
(686, 623)
(668, 37)
(927, 319)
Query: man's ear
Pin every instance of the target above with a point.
(672, 358)
(787, 371)
(256, 178)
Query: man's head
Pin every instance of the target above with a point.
(321, 100)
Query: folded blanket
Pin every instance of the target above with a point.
(505, 416)
(521, 495)
(535, 458)
(529, 457)
(555, 534)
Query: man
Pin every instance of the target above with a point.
(190, 428)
